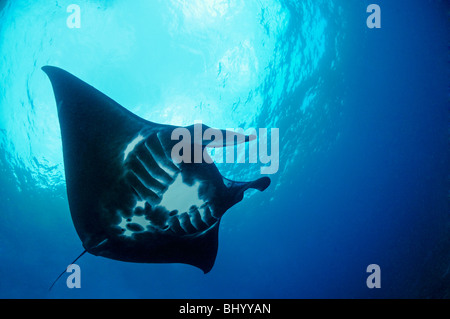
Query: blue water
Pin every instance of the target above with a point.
(363, 119)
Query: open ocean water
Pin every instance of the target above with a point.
(363, 116)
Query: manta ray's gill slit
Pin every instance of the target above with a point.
(132, 145)
(150, 191)
(152, 182)
(164, 162)
(206, 215)
(155, 176)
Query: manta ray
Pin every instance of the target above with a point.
(129, 198)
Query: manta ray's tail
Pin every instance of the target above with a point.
(66, 268)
